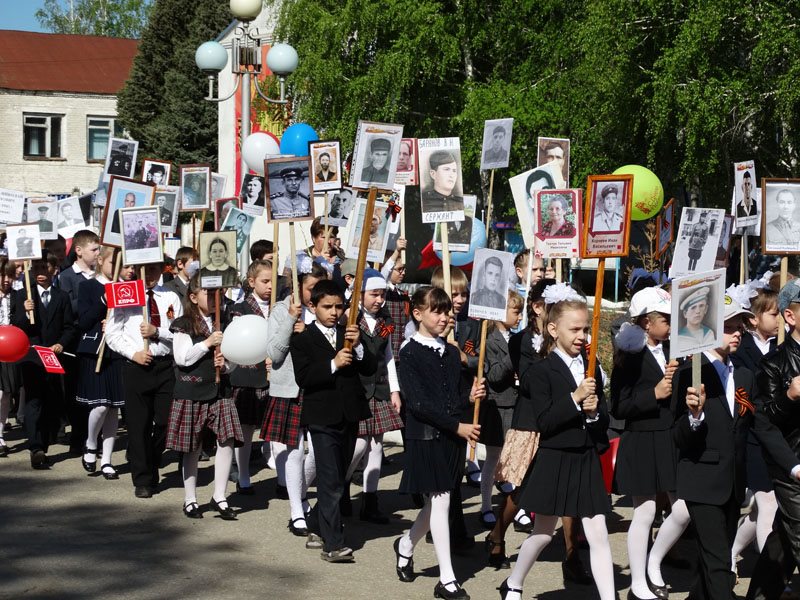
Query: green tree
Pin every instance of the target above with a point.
(112, 18)
(162, 102)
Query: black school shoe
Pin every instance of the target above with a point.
(441, 591)
(39, 460)
(143, 491)
(344, 554)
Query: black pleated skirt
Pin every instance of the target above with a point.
(495, 421)
(758, 478)
(565, 483)
(105, 388)
(646, 463)
(433, 466)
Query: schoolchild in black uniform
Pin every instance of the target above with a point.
(200, 402)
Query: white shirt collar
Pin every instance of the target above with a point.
(88, 273)
(762, 345)
(435, 343)
(658, 353)
(102, 278)
(42, 290)
(574, 364)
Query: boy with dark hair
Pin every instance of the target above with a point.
(333, 403)
(53, 327)
(261, 250)
(180, 281)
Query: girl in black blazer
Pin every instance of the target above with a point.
(566, 477)
(430, 378)
(641, 392)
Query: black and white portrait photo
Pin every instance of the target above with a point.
(375, 155)
(459, 233)
(555, 152)
(724, 248)
(221, 209)
(492, 271)
(141, 235)
(218, 260)
(252, 195)
(218, 184)
(195, 187)
(240, 222)
(44, 212)
(325, 165)
(69, 217)
(289, 189)
(378, 231)
(781, 219)
(697, 240)
(156, 172)
(496, 147)
(121, 158)
(339, 206)
(441, 185)
(23, 242)
(167, 202)
(523, 188)
(745, 207)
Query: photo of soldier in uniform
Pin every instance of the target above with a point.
(195, 187)
(459, 233)
(492, 276)
(240, 222)
(23, 242)
(698, 302)
(698, 237)
(781, 229)
(122, 193)
(156, 172)
(609, 214)
(121, 158)
(43, 211)
(290, 189)
(375, 155)
(441, 192)
(745, 207)
(378, 231)
(496, 147)
(141, 235)
(167, 202)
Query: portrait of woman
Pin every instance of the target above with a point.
(215, 263)
(555, 217)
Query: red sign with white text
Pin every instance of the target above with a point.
(125, 294)
(49, 360)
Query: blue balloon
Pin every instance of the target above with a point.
(296, 137)
(478, 240)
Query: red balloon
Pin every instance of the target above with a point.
(14, 344)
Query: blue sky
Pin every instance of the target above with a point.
(19, 14)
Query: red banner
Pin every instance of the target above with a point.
(125, 294)
(49, 360)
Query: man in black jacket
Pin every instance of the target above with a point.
(333, 404)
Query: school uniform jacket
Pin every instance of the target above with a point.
(500, 376)
(328, 398)
(92, 310)
(748, 354)
(633, 395)
(523, 357)
(53, 325)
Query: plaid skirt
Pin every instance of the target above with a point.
(282, 421)
(188, 419)
(250, 404)
(383, 419)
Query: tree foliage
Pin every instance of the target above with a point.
(684, 87)
(162, 102)
(112, 18)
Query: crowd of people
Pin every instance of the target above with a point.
(328, 392)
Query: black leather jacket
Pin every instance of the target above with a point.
(774, 377)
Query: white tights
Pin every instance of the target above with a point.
(668, 534)
(756, 526)
(222, 468)
(487, 477)
(434, 518)
(599, 553)
(105, 418)
(242, 456)
(5, 408)
(300, 471)
(372, 472)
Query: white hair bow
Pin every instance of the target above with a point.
(742, 293)
(560, 292)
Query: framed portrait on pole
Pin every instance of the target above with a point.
(780, 224)
(375, 155)
(607, 216)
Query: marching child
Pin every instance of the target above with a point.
(430, 377)
(200, 402)
(566, 477)
(9, 372)
(184, 257)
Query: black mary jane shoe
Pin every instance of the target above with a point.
(406, 573)
(632, 596)
(245, 490)
(227, 513)
(496, 560)
(3, 450)
(660, 591)
(441, 591)
(192, 510)
(505, 590)
(110, 475)
(485, 521)
(298, 531)
(89, 467)
(473, 478)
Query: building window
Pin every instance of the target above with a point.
(98, 131)
(41, 136)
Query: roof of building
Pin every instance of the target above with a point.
(56, 62)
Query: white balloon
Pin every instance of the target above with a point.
(244, 341)
(256, 148)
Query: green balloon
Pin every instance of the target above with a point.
(648, 193)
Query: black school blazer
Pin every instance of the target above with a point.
(633, 396)
(53, 325)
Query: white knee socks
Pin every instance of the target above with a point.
(434, 518)
(280, 453)
(644, 513)
(243, 456)
(543, 528)
(294, 479)
(362, 445)
(670, 532)
(109, 435)
(755, 526)
(189, 469)
(96, 418)
(309, 470)
(487, 478)
(222, 469)
(594, 528)
(372, 472)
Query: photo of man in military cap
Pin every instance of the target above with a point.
(121, 158)
(608, 215)
(376, 169)
(375, 155)
(443, 194)
(290, 190)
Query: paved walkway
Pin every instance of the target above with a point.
(66, 535)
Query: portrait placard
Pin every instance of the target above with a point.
(492, 273)
(745, 207)
(156, 172)
(141, 235)
(325, 164)
(555, 152)
(378, 233)
(340, 204)
(195, 187)
(780, 222)
(697, 241)
(218, 260)
(523, 188)
(698, 302)
(44, 212)
(120, 159)
(441, 185)
(219, 184)
(407, 164)
(12, 204)
(23, 242)
(167, 198)
(459, 233)
(607, 216)
(240, 223)
(724, 248)
(375, 154)
(221, 209)
(122, 193)
(69, 217)
(496, 147)
(558, 223)
(289, 189)
(665, 226)
(252, 195)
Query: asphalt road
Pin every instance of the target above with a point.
(65, 535)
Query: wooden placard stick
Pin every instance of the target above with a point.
(697, 361)
(293, 250)
(145, 316)
(276, 260)
(202, 225)
(355, 299)
(489, 203)
(327, 228)
(784, 278)
(217, 325)
(402, 217)
(743, 261)
(448, 285)
(102, 347)
(559, 272)
(27, 268)
(194, 230)
(598, 304)
(476, 411)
